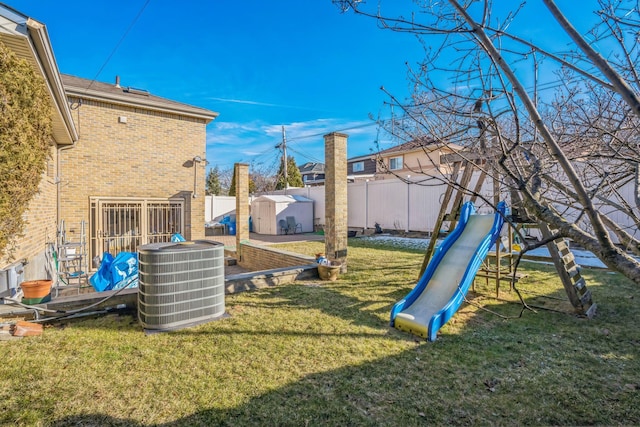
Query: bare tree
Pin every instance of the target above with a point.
(213, 186)
(557, 124)
(225, 177)
(263, 177)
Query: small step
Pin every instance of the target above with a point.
(585, 299)
(562, 245)
(568, 259)
(580, 284)
(70, 258)
(228, 260)
(71, 245)
(573, 271)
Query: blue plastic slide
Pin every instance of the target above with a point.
(445, 282)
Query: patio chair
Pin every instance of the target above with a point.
(284, 228)
(292, 225)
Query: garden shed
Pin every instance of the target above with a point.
(268, 211)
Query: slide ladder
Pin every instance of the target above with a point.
(569, 272)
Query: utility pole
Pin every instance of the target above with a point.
(283, 145)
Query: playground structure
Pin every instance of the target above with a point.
(431, 303)
(453, 268)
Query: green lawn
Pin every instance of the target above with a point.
(321, 353)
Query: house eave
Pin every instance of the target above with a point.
(361, 158)
(42, 45)
(29, 40)
(151, 104)
(361, 176)
(452, 148)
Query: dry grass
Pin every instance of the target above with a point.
(321, 353)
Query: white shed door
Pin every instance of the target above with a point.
(264, 219)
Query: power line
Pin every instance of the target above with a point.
(305, 155)
(296, 138)
(119, 43)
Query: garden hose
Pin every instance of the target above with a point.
(65, 313)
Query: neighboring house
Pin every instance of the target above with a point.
(128, 164)
(361, 167)
(312, 173)
(413, 157)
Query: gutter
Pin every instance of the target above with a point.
(42, 46)
(127, 100)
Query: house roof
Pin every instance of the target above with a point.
(360, 158)
(311, 167)
(29, 40)
(125, 95)
(415, 145)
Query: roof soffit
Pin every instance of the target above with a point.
(29, 40)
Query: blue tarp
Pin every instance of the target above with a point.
(177, 238)
(116, 273)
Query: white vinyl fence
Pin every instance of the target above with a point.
(391, 203)
(216, 207)
(394, 204)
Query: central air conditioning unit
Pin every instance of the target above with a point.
(180, 284)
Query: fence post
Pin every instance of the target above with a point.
(336, 205)
(366, 204)
(408, 203)
(241, 171)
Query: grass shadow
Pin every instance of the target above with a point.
(544, 369)
(343, 365)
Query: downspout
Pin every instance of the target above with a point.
(74, 142)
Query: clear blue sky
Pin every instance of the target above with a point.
(260, 64)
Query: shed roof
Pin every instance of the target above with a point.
(283, 198)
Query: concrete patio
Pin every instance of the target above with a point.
(265, 239)
(237, 279)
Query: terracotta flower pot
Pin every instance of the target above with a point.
(329, 272)
(36, 290)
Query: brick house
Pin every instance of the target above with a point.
(128, 164)
(136, 174)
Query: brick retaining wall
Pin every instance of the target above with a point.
(258, 258)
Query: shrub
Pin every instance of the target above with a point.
(25, 137)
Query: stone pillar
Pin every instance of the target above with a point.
(241, 171)
(335, 197)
